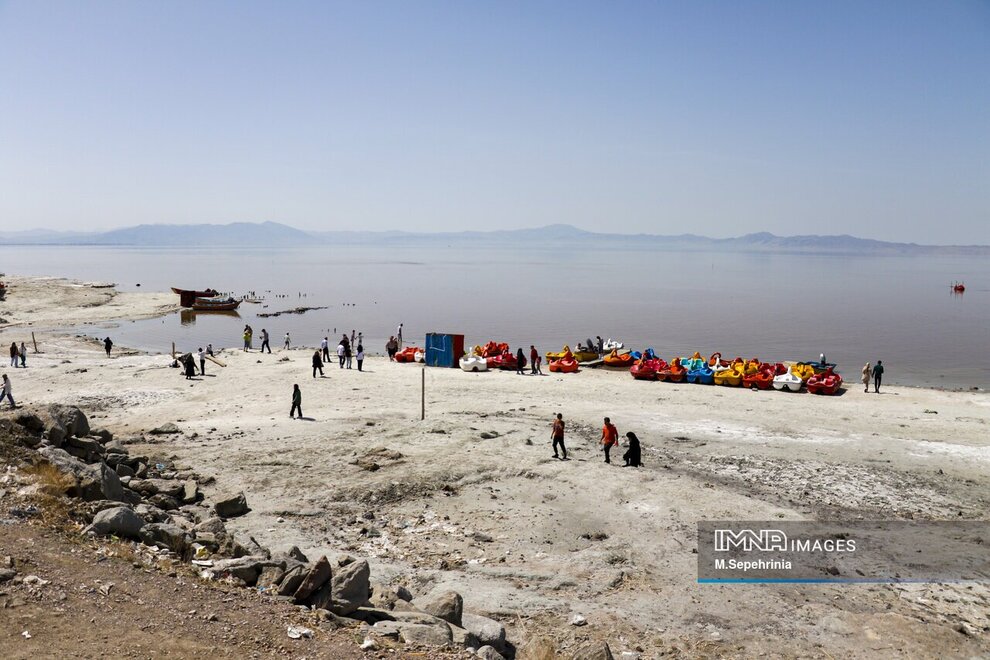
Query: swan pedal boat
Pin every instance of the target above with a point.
(826, 382)
(474, 363)
(611, 345)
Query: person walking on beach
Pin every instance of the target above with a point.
(520, 361)
(348, 354)
(340, 354)
(610, 438)
(317, 364)
(190, 365)
(5, 391)
(557, 435)
(877, 376)
(107, 344)
(24, 354)
(360, 353)
(866, 377)
(264, 341)
(296, 402)
(632, 456)
(202, 362)
(398, 335)
(392, 347)
(325, 348)
(14, 354)
(534, 357)
(286, 342)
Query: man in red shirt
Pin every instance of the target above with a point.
(558, 436)
(610, 437)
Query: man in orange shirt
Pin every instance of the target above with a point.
(610, 437)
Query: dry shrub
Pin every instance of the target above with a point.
(537, 648)
(51, 481)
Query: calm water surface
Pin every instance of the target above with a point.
(773, 306)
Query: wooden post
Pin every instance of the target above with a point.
(173, 350)
(422, 409)
(34, 341)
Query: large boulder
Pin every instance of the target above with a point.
(30, 421)
(119, 521)
(318, 575)
(488, 631)
(350, 586)
(291, 580)
(488, 653)
(247, 569)
(446, 605)
(231, 506)
(110, 484)
(87, 481)
(427, 635)
(72, 420)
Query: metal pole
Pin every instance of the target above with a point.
(422, 409)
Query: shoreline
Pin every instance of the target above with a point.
(470, 500)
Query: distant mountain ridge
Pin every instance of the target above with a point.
(273, 234)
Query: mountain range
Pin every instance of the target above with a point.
(275, 235)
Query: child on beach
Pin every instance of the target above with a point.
(360, 353)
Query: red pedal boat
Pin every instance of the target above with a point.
(407, 354)
(645, 369)
(674, 373)
(826, 382)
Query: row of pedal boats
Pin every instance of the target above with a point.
(816, 377)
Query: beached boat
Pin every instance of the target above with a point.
(207, 293)
(419, 356)
(219, 304)
(580, 355)
(586, 355)
(647, 369)
(611, 345)
(506, 360)
(762, 378)
(730, 375)
(959, 287)
(674, 373)
(617, 359)
(826, 382)
(472, 362)
(491, 349)
(787, 381)
(803, 371)
(408, 354)
(693, 362)
(564, 365)
(700, 373)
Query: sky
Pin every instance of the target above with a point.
(715, 118)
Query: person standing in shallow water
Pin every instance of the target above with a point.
(866, 377)
(107, 344)
(610, 438)
(632, 456)
(296, 402)
(877, 376)
(557, 435)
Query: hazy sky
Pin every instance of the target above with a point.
(720, 118)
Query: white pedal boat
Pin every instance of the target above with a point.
(787, 381)
(419, 356)
(473, 362)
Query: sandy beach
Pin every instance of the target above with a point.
(471, 499)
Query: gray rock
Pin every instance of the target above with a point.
(464, 639)
(131, 497)
(386, 597)
(351, 587)
(488, 631)
(70, 418)
(190, 491)
(116, 446)
(7, 574)
(124, 470)
(120, 521)
(318, 575)
(488, 653)
(30, 421)
(291, 581)
(211, 526)
(163, 501)
(110, 484)
(91, 446)
(427, 635)
(87, 477)
(247, 569)
(270, 576)
(150, 487)
(446, 605)
(322, 598)
(232, 506)
(593, 651)
(104, 435)
(168, 428)
(165, 535)
(55, 433)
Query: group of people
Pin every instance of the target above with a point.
(347, 350)
(18, 355)
(610, 438)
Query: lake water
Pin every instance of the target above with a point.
(773, 306)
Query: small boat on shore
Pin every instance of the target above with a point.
(730, 375)
(700, 373)
(474, 363)
(219, 304)
(207, 293)
(826, 382)
(803, 371)
(408, 354)
(788, 381)
(647, 368)
(564, 365)
(616, 359)
(507, 360)
(674, 373)
(611, 345)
